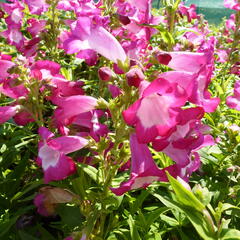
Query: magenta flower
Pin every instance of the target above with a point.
(35, 26)
(89, 121)
(201, 65)
(37, 6)
(143, 168)
(5, 65)
(234, 101)
(70, 107)
(46, 69)
(88, 35)
(190, 12)
(187, 137)
(8, 112)
(154, 114)
(232, 4)
(134, 76)
(52, 154)
(105, 74)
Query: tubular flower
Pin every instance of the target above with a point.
(154, 114)
(52, 154)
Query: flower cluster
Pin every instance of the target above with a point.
(147, 95)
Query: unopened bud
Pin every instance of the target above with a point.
(163, 58)
(134, 77)
(124, 19)
(105, 74)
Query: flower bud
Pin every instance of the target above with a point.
(163, 58)
(134, 77)
(105, 74)
(124, 19)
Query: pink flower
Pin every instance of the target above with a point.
(144, 171)
(190, 12)
(37, 6)
(39, 203)
(154, 114)
(70, 107)
(89, 121)
(134, 76)
(5, 65)
(232, 4)
(114, 90)
(8, 112)
(36, 26)
(47, 69)
(187, 137)
(52, 154)
(88, 35)
(105, 74)
(234, 101)
(200, 64)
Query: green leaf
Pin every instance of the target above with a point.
(23, 235)
(92, 172)
(5, 226)
(199, 223)
(226, 206)
(70, 216)
(138, 202)
(169, 220)
(194, 216)
(44, 233)
(152, 216)
(133, 229)
(31, 186)
(230, 234)
(185, 196)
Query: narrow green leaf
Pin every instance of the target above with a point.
(92, 172)
(138, 202)
(23, 235)
(230, 234)
(44, 233)
(152, 216)
(133, 229)
(185, 196)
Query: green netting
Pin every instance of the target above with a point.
(213, 10)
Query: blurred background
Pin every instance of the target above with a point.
(213, 10)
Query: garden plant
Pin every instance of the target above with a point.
(118, 121)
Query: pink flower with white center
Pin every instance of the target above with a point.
(186, 61)
(190, 12)
(47, 69)
(154, 114)
(200, 64)
(5, 65)
(13, 36)
(8, 112)
(234, 101)
(91, 125)
(65, 88)
(89, 35)
(37, 6)
(230, 23)
(187, 137)
(70, 107)
(35, 26)
(52, 154)
(232, 4)
(184, 79)
(144, 170)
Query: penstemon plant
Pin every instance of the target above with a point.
(118, 121)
